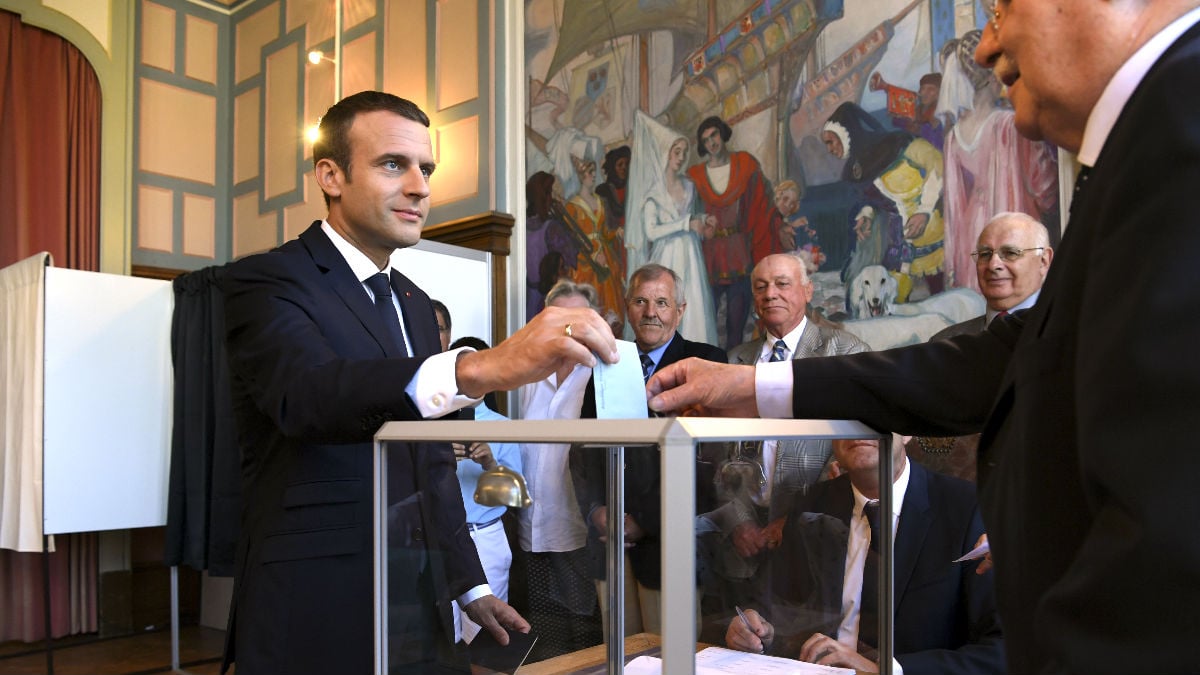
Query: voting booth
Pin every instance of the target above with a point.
(87, 402)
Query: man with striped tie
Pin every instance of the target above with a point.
(782, 291)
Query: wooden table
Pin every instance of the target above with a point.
(590, 657)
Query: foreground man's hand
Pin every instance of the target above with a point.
(554, 338)
(695, 387)
(494, 615)
(826, 651)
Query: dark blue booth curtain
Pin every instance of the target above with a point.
(204, 503)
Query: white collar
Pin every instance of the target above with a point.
(360, 264)
(791, 341)
(1106, 111)
(899, 489)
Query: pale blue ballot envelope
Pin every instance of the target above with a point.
(620, 389)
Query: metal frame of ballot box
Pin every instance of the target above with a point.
(676, 437)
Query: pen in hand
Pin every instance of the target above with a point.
(746, 623)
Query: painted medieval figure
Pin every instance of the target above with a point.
(602, 265)
(734, 192)
(906, 172)
(989, 167)
(665, 217)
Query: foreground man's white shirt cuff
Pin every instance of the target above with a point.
(773, 389)
(434, 389)
(473, 595)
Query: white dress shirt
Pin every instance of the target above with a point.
(790, 342)
(856, 558)
(553, 522)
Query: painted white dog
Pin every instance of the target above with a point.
(873, 292)
(885, 332)
(956, 304)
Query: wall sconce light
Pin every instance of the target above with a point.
(313, 132)
(316, 56)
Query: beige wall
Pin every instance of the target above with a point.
(205, 106)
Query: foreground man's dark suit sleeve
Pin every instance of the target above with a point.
(1088, 460)
(312, 382)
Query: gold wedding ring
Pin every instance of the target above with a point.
(567, 331)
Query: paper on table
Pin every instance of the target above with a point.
(718, 661)
(977, 552)
(620, 389)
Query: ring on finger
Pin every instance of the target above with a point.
(567, 331)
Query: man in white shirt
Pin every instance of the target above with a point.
(1067, 393)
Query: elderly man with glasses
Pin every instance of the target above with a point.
(1012, 258)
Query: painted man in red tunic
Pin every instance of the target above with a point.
(734, 192)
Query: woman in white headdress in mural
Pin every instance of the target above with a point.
(664, 220)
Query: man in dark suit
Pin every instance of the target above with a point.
(326, 342)
(821, 601)
(1097, 556)
(655, 303)
(1012, 257)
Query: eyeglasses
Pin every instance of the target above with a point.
(641, 303)
(1006, 253)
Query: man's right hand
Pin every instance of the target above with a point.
(755, 637)
(557, 337)
(698, 387)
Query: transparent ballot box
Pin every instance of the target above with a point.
(719, 538)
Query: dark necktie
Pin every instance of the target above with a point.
(778, 352)
(381, 287)
(868, 621)
(647, 366)
(1081, 179)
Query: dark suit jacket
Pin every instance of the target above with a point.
(945, 613)
(642, 470)
(313, 378)
(1087, 462)
(975, 325)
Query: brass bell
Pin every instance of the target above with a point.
(502, 487)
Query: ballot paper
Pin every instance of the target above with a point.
(721, 661)
(977, 552)
(620, 389)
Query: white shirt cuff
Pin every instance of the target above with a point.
(897, 669)
(773, 389)
(434, 389)
(473, 595)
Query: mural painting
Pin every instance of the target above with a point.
(704, 135)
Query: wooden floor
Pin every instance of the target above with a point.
(199, 654)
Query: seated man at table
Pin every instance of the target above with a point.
(821, 604)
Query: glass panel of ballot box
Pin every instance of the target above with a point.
(727, 520)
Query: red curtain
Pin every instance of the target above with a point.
(50, 195)
(50, 150)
